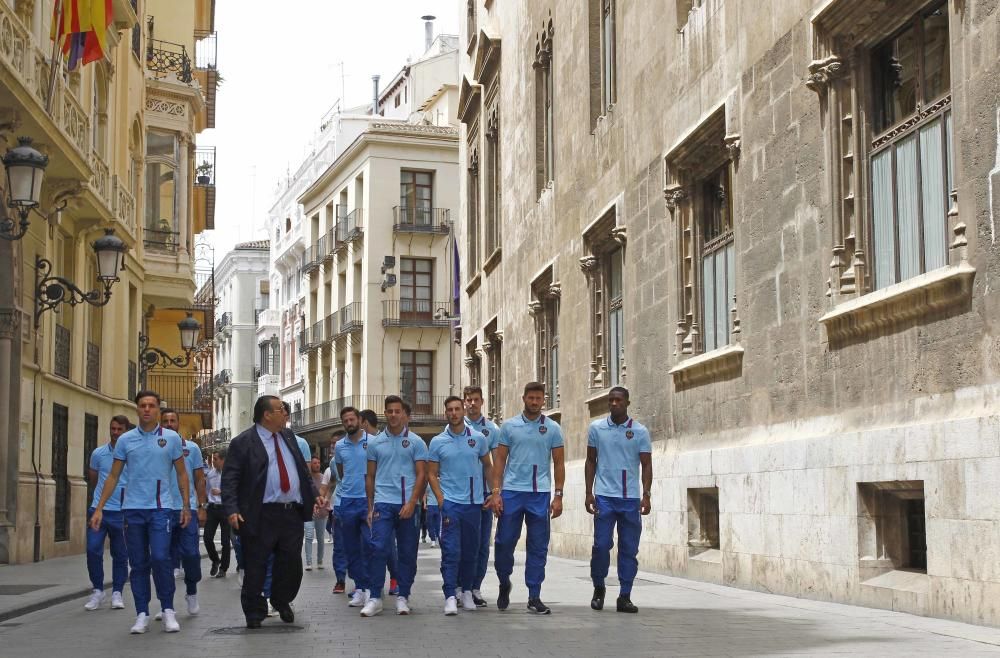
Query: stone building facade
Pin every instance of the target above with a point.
(775, 223)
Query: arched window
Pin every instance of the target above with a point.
(161, 191)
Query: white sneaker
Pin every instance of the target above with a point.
(170, 624)
(117, 603)
(193, 607)
(239, 577)
(450, 606)
(141, 624)
(270, 610)
(402, 606)
(359, 599)
(467, 601)
(372, 608)
(95, 600)
(434, 543)
(309, 567)
(159, 616)
(178, 574)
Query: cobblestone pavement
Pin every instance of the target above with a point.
(677, 618)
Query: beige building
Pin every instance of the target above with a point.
(775, 223)
(113, 126)
(379, 261)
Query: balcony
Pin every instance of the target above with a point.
(161, 242)
(311, 337)
(350, 227)
(222, 382)
(164, 58)
(303, 341)
(316, 336)
(351, 318)
(204, 189)
(267, 384)
(421, 220)
(124, 205)
(207, 72)
(62, 351)
(311, 260)
(225, 323)
(415, 313)
(330, 247)
(327, 414)
(184, 391)
(217, 438)
(330, 328)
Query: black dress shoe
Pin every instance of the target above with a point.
(221, 574)
(285, 612)
(625, 605)
(597, 602)
(253, 623)
(215, 570)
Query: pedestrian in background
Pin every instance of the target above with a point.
(112, 524)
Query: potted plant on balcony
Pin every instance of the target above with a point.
(204, 171)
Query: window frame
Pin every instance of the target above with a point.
(414, 399)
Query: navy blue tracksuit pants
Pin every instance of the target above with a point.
(624, 513)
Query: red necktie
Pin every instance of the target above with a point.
(282, 473)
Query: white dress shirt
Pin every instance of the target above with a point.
(272, 489)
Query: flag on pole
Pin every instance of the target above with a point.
(80, 29)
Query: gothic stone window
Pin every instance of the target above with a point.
(603, 267)
(473, 207)
(699, 197)
(603, 57)
(493, 196)
(887, 115)
(473, 361)
(544, 119)
(493, 347)
(544, 308)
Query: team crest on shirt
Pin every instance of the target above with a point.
(629, 434)
(364, 444)
(187, 453)
(161, 442)
(472, 443)
(486, 432)
(542, 429)
(406, 443)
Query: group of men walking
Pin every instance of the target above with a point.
(152, 494)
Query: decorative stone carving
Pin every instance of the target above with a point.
(589, 265)
(620, 235)
(555, 290)
(166, 107)
(469, 362)
(498, 336)
(723, 363)
(732, 144)
(535, 308)
(823, 71)
(674, 195)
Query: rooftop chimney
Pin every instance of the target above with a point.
(428, 31)
(375, 79)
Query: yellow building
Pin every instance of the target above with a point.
(65, 371)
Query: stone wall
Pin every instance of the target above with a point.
(892, 387)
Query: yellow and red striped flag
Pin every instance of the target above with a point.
(80, 29)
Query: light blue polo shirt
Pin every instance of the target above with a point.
(192, 462)
(354, 458)
(304, 448)
(101, 460)
(489, 429)
(396, 457)
(461, 471)
(618, 449)
(529, 460)
(149, 457)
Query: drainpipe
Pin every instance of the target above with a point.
(428, 31)
(375, 79)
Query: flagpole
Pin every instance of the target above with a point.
(57, 15)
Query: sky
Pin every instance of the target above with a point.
(281, 70)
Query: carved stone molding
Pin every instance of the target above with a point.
(732, 144)
(723, 363)
(535, 307)
(555, 290)
(884, 310)
(469, 362)
(674, 195)
(10, 323)
(166, 107)
(620, 235)
(498, 336)
(823, 71)
(589, 264)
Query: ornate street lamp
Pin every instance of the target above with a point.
(51, 291)
(153, 357)
(25, 170)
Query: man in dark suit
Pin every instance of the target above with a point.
(267, 495)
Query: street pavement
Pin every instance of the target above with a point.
(677, 618)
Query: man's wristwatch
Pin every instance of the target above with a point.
(202, 505)
(558, 493)
(646, 494)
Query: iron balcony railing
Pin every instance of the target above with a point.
(182, 391)
(93, 366)
(163, 57)
(429, 409)
(133, 379)
(204, 166)
(351, 318)
(216, 438)
(311, 259)
(226, 321)
(415, 313)
(224, 378)
(350, 226)
(62, 344)
(303, 341)
(330, 247)
(206, 49)
(316, 333)
(421, 220)
(164, 242)
(330, 327)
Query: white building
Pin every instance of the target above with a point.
(387, 199)
(242, 287)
